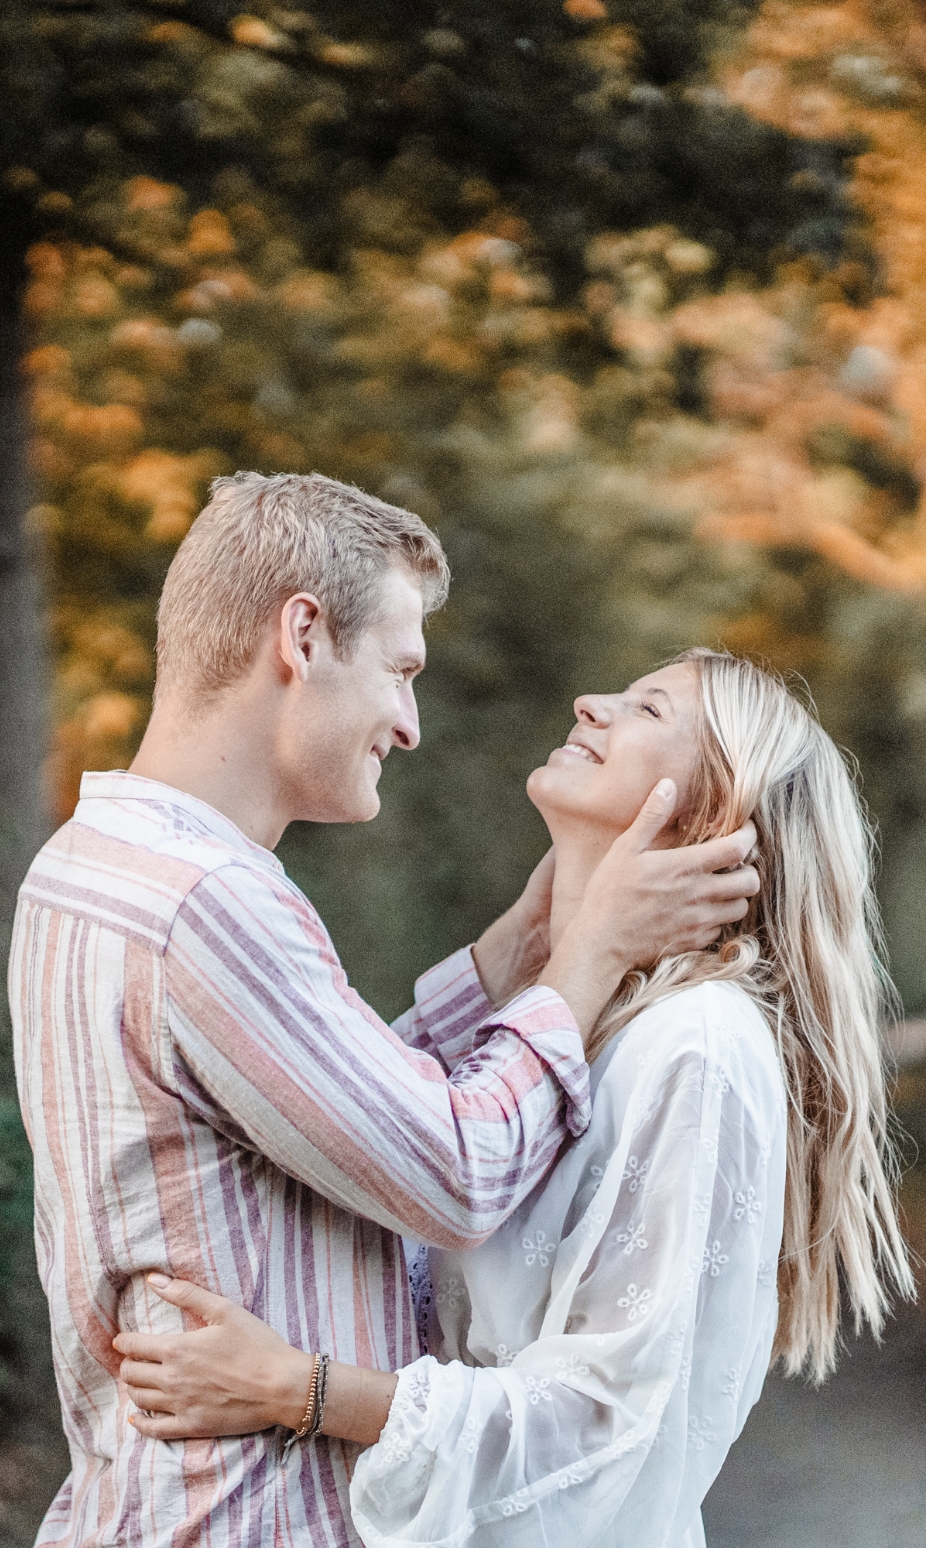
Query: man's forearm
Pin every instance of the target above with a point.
(511, 952)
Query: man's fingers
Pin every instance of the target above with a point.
(730, 912)
(652, 816)
(741, 883)
(721, 854)
(711, 920)
(181, 1292)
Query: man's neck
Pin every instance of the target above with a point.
(215, 759)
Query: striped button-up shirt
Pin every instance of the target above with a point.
(206, 1095)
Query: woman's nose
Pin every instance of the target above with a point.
(594, 709)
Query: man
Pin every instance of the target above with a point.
(204, 1093)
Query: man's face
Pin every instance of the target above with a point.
(347, 714)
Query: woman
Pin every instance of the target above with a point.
(593, 1361)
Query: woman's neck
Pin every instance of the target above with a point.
(579, 850)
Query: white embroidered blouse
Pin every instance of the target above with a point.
(593, 1361)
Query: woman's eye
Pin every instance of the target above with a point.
(652, 710)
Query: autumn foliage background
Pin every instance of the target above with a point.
(627, 297)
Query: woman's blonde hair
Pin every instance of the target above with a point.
(809, 952)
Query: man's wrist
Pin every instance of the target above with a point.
(584, 979)
(495, 956)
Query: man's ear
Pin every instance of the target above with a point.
(303, 632)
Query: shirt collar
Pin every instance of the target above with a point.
(119, 785)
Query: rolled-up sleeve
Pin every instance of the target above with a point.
(266, 1039)
(450, 1003)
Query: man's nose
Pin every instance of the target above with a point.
(594, 709)
(406, 732)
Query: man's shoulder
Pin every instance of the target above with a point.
(131, 873)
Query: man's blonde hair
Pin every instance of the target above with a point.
(260, 540)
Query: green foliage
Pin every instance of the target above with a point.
(453, 259)
(529, 270)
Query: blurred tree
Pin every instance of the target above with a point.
(583, 284)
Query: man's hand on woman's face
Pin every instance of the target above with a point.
(642, 904)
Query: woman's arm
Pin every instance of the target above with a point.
(235, 1376)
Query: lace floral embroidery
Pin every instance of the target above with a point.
(642, 1110)
(419, 1279)
(633, 1239)
(591, 1222)
(713, 1260)
(571, 1367)
(635, 1173)
(452, 1296)
(418, 1389)
(537, 1389)
(748, 1204)
(539, 1249)
(637, 1303)
(504, 1355)
(700, 1433)
(732, 1386)
(702, 1208)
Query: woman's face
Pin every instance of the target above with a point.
(621, 746)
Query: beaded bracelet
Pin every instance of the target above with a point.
(315, 1407)
(320, 1390)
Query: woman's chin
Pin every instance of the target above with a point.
(539, 787)
(555, 792)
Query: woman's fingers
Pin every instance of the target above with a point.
(154, 1347)
(137, 1373)
(150, 1398)
(160, 1427)
(193, 1298)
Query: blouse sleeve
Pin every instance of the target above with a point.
(590, 1429)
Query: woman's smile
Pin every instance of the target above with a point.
(576, 749)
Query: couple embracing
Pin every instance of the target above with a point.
(637, 1129)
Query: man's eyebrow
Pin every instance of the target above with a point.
(412, 662)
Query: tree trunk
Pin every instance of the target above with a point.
(34, 1454)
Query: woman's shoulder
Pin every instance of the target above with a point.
(715, 1023)
(715, 1005)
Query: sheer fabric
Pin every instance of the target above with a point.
(593, 1361)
